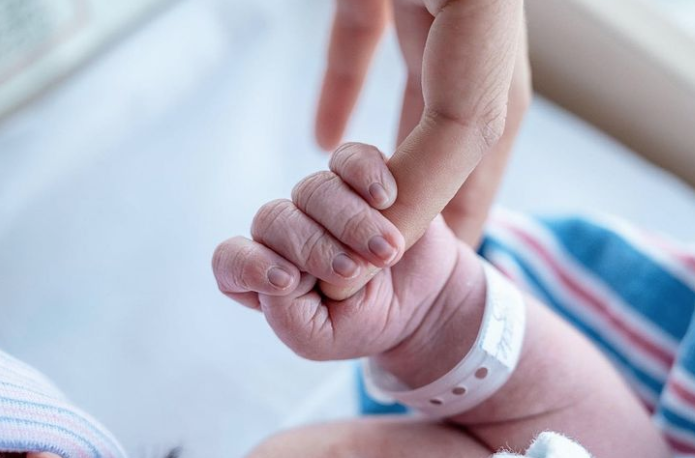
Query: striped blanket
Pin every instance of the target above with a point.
(631, 292)
(36, 417)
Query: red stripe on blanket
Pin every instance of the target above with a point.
(682, 392)
(679, 446)
(635, 337)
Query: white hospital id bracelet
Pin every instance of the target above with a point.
(482, 372)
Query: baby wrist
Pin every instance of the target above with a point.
(486, 366)
(447, 331)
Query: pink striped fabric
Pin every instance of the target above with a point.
(632, 292)
(35, 416)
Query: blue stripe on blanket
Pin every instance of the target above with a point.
(676, 419)
(686, 351)
(51, 427)
(530, 277)
(638, 280)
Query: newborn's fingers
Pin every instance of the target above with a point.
(323, 330)
(331, 203)
(301, 320)
(242, 266)
(364, 168)
(281, 226)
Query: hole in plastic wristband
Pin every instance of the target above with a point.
(481, 373)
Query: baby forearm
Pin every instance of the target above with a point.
(562, 383)
(384, 437)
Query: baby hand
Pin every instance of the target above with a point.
(332, 231)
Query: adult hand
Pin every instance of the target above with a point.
(460, 57)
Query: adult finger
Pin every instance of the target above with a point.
(413, 23)
(468, 210)
(357, 28)
(467, 70)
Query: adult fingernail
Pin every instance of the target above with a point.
(378, 193)
(279, 278)
(344, 266)
(381, 248)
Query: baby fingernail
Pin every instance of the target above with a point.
(381, 248)
(279, 278)
(344, 266)
(378, 193)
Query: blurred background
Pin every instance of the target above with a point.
(136, 135)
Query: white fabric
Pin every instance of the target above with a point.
(551, 445)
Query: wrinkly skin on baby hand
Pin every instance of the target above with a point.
(327, 232)
(420, 313)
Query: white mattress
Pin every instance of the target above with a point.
(115, 189)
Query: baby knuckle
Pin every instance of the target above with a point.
(343, 156)
(343, 152)
(357, 225)
(229, 265)
(240, 264)
(268, 215)
(219, 262)
(357, 162)
(316, 249)
(313, 186)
